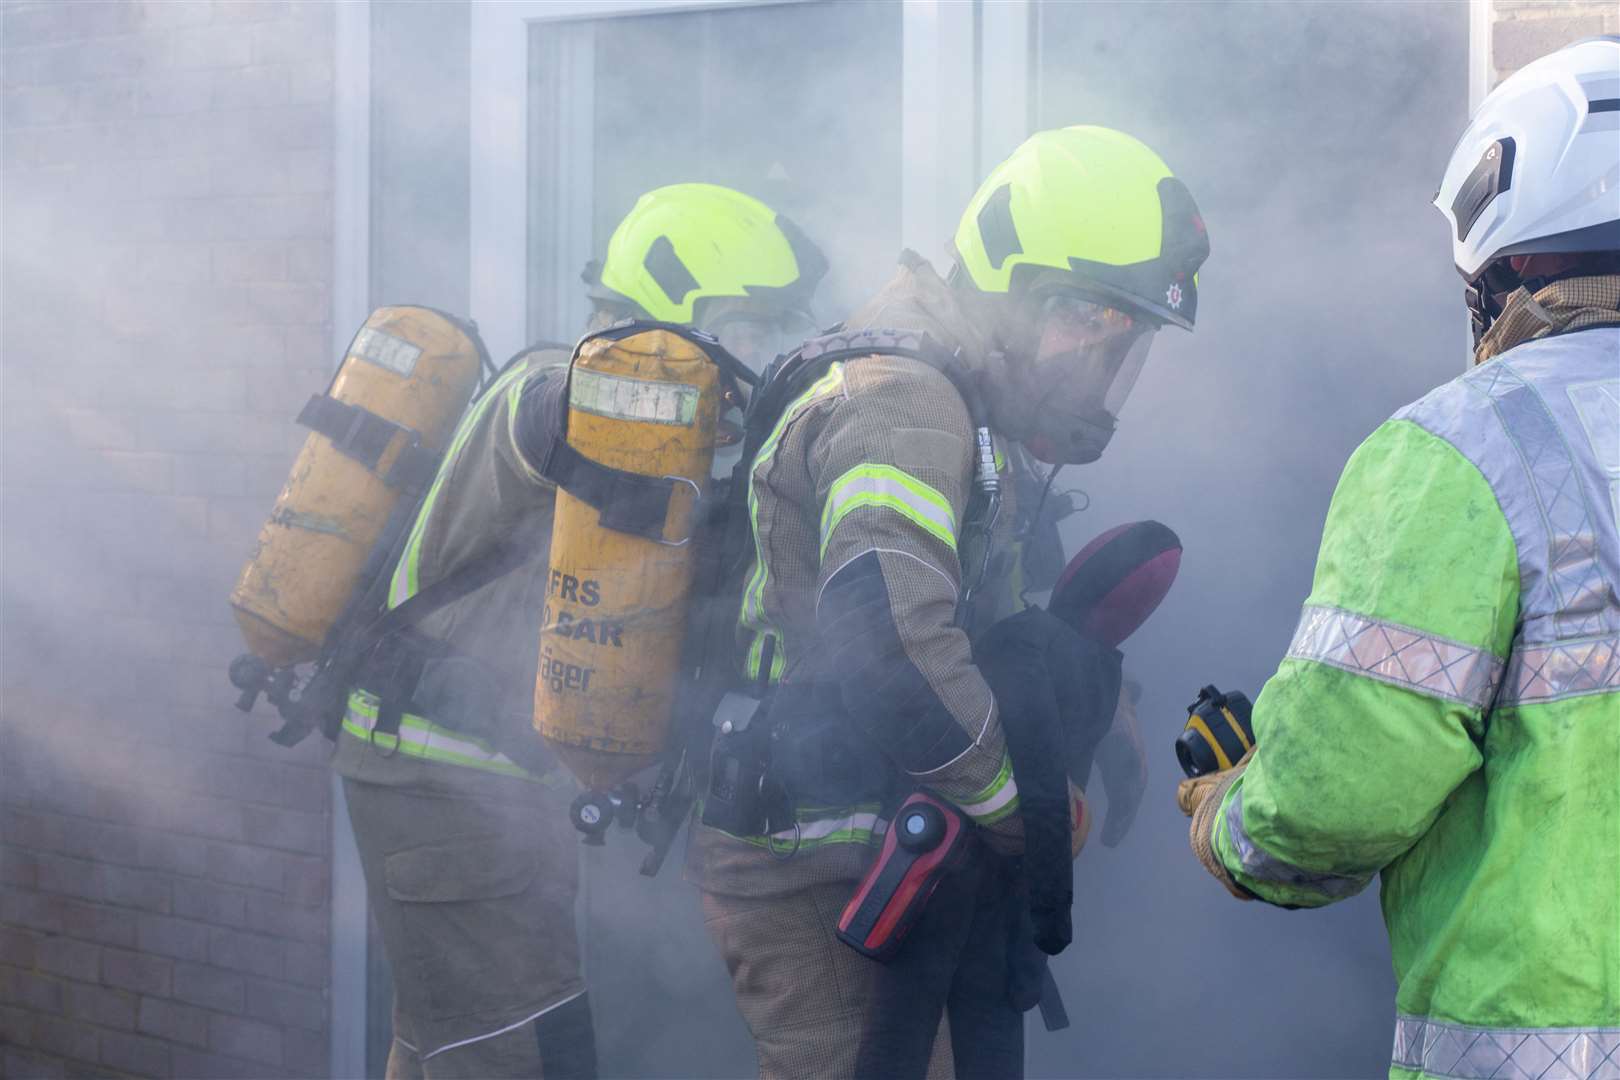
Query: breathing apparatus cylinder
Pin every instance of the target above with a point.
(1219, 731)
(643, 404)
(376, 432)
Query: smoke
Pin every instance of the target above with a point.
(1312, 136)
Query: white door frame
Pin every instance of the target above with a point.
(938, 172)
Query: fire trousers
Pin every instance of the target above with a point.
(475, 900)
(805, 995)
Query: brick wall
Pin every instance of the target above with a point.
(1523, 30)
(164, 876)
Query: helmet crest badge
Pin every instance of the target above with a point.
(1172, 296)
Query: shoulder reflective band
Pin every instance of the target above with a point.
(1398, 655)
(1555, 670)
(1465, 1052)
(888, 488)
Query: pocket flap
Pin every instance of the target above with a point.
(478, 868)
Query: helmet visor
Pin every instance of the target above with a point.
(1089, 354)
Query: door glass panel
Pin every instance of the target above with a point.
(796, 104)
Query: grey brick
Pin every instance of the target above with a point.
(101, 1006)
(110, 926)
(19, 868)
(170, 14)
(209, 987)
(251, 174)
(251, 88)
(135, 1053)
(139, 972)
(23, 1065)
(305, 964)
(287, 1005)
(65, 1038)
(243, 1038)
(71, 959)
(210, 902)
(99, 102)
(181, 939)
(261, 261)
(173, 178)
(310, 260)
(269, 782)
(186, 855)
(307, 882)
(290, 305)
(1516, 42)
(30, 991)
(131, 470)
(201, 815)
(68, 877)
(311, 84)
(269, 913)
(288, 830)
(309, 172)
(281, 42)
(17, 947)
(211, 47)
(173, 1021)
(16, 1026)
(255, 954)
(32, 106)
(194, 1065)
(237, 865)
(130, 887)
(304, 1053)
(251, 11)
(175, 93)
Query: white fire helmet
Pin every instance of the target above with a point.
(1538, 168)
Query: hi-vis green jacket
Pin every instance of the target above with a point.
(1448, 715)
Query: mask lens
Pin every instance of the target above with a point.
(1090, 354)
(757, 340)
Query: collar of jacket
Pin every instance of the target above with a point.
(917, 298)
(1571, 304)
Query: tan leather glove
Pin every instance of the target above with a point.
(1200, 798)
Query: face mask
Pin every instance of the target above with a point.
(1086, 363)
(756, 340)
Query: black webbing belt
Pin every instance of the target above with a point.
(361, 434)
(627, 502)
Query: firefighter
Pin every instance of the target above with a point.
(1071, 256)
(1446, 715)
(459, 814)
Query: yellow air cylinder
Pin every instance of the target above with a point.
(407, 365)
(616, 603)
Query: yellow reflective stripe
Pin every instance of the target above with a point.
(888, 488)
(855, 825)
(404, 584)
(421, 738)
(999, 798)
(752, 616)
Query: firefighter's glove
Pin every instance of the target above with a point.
(1200, 798)
(1123, 764)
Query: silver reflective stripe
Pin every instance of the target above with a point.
(1574, 572)
(1555, 670)
(1398, 655)
(1475, 1053)
(1261, 865)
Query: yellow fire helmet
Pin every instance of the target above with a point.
(684, 245)
(1089, 210)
